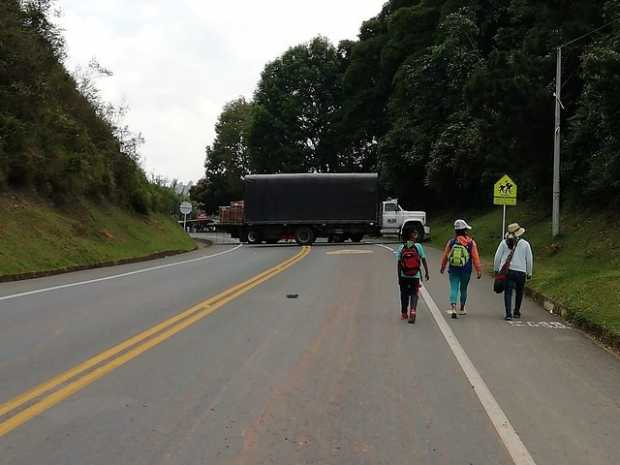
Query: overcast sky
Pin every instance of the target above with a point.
(176, 63)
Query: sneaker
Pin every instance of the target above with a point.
(412, 315)
(462, 312)
(403, 316)
(516, 315)
(508, 318)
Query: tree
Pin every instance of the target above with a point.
(594, 128)
(434, 141)
(296, 107)
(227, 159)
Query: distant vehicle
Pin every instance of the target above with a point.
(305, 207)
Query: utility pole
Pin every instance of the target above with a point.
(557, 140)
(556, 147)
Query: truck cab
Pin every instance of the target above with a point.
(395, 219)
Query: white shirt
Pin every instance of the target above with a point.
(522, 260)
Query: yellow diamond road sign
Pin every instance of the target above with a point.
(505, 192)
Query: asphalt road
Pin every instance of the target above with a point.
(253, 376)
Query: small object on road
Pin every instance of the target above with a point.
(292, 296)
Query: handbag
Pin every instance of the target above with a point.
(499, 284)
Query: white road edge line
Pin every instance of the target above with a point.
(517, 450)
(117, 276)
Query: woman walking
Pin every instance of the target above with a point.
(517, 252)
(461, 254)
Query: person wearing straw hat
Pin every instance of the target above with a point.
(461, 254)
(519, 252)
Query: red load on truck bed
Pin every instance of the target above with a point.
(233, 213)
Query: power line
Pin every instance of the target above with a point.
(589, 33)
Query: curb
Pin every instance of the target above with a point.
(598, 332)
(70, 269)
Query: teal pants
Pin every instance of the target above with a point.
(459, 282)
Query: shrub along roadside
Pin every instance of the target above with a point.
(580, 270)
(37, 237)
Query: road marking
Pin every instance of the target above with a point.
(515, 447)
(136, 345)
(349, 252)
(117, 276)
(538, 324)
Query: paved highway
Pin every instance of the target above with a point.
(284, 355)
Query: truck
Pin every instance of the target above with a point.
(305, 207)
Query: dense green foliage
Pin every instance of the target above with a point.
(56, 135)
(442, 98)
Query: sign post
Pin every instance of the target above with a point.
(505, 194)
(186, 209)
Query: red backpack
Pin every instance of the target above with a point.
(410, 261)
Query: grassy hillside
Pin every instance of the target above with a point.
(580, 270)
(35, 236)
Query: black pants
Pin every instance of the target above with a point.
(516, 282)
(408, 293)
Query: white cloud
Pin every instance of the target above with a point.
(177, 63)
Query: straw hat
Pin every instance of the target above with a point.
(516, 230)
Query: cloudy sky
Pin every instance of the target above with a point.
(176, 63)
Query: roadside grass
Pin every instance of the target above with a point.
(580, 269)
(36, 237)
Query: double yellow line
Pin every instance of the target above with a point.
(62, 386)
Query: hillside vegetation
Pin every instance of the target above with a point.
(38, 237)
(72, 192)
(57, 137)
(441, 97)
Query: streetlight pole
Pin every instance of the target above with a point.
(556, 147)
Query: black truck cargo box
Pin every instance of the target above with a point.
(311, 198)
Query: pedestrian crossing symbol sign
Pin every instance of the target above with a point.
(505, 192)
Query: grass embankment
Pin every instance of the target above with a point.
(580, 270)
(36, 237)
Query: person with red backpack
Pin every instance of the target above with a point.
(411, 258)
(461, 254)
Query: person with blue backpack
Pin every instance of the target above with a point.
(411, 258)
(461, 257)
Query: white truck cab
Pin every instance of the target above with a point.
(395, 219)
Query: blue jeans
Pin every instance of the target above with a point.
(458, 282)
(516, 281)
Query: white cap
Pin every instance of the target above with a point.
(459, 225)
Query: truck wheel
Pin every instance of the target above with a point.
(253, 237)
(357, 237)
(304, 236)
